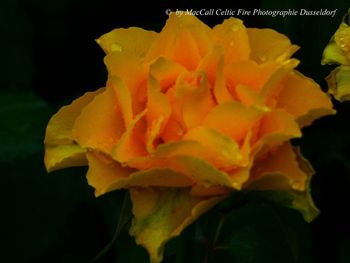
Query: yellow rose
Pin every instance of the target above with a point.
(189, 115)
(338, 52)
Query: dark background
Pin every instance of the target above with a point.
(48, 57)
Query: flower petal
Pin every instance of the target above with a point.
(103, 172)
(294, 166)
(197, 102)
(224, 152)
(132, 142)
(232, 35)
(303, 98)
(333, 54)
(60, 148)
(268, 45)
(158, 108)
(221, 91)
(106, 175)
(339, 83)
(183, 39)
(338, 49)
(166, 72)
(64, 155)
(276, 127)
(186, 157)
(100, 123)
(135, 41)
(249, 73)
(131, 70)
(278, 169)
(233, 119)
(160, 215)
(123, 97)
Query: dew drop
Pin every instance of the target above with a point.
(234, 28)
(116, 47)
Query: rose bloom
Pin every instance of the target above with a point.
(189, 115)
(338, 52)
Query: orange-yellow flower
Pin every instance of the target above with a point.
(187, 116)
(338, 52)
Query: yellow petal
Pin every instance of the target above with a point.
(267, 44)
(131, 70)
(132, 142)
(278, 169)
(221, 92)
(232, 35)
(196, 102)
(166, 72)
(158, 112)
(185, 51)
(249, 73)
(342, 38)
(106, 175)
(186, 157)
(103, 172)
(333, 54)
(135, 41)
(64, 155)
(123, 97)
(338, 49)
(298, 198)
(278, 126)
(210, 63)
(160, 215)
(60, 148)
(303, 98)
(339, 83)
(233, 119)
(224, 152)
(100, 124)
(183, 39)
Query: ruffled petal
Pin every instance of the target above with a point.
(134, 41)
(184, 39)
(100, 124)
(303, 98)
(132, 142)
(275, 128)
(232, 35)
(197, 102)
(103, 172)
(269, 45)
(187, 157)
(339, 83)
(133, 73)
(60, 148)
(278, 169)
(106, 175)
(160, 215)
(233, 119)
(338, 49)
(158, 112)
(64, 155)
(123, 97)
(290, 177)
(224, 152)
(166, 72)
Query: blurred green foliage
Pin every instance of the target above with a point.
(48, 57)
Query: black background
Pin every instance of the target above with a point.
(49, 57)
